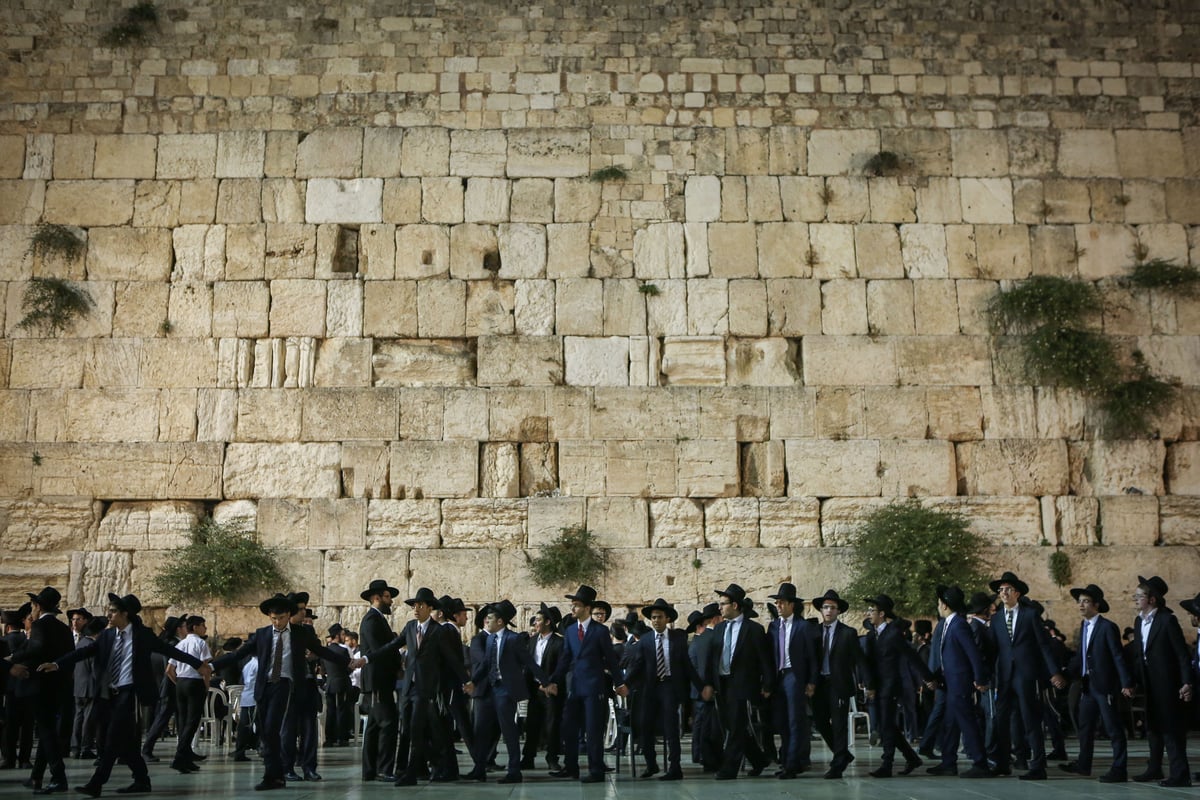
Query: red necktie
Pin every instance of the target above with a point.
(580, 628)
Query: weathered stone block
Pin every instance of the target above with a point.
(434, 469)
(733, 250)
(987, 200)
(334, 200)
(762, 362)
(619, 521)
(347, 414)
(499, 470)
(1177, 518)
(522, 250)
(849, 361)
(390, 308)
(381, 152)
(839, 152)
(670, 569)
(520, 360)
(538, 468)
(832, 468)
(1087, 153)
(490, 523)
(475, 153)
(676, 522)
(441, 308)
(192, 155)
(708, 468)
(579, 306)
(241, 154)
(694, 361)
(425, 152)
(1183, 468)
(576, 199)
(832, 252)
(423, 363)
(595, 361)
(1070, 520)
(548, 516)
(282, 470)
(297, 308)
(130, 471)
(1013, 467)
(148, 525)
(934, 360)
(641, 468)
(88, 204)
(659, 251)
(731, 522)
(1128, 520)
(758, 570)
(123, 156)
(53, 524)
(346, 573)
(330, 153)
(702, 198)
(548, 153)
(918, 468)
(1117, 467)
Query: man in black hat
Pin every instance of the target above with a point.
(889, 657)
(706, 726)
(962, 675)
(299, 741)
(121, 655)
(544, 716)
(164, 708)
(839, 659)
(281, 649)
(83, 738)
(740, 671)
(452, 613)
(1024, 664)
(379, 683)
(339, 712)
(501, 682)
(17, 745)
(49, 639)
(1100, 666)
(589, 659)
(795, 661)
(1163, 670)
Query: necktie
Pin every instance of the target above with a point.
(579, 627)
(277, 658)
(118, 659)
(662, 658)
(1083, 647)
(782, 643)
(420, 635)
(727, 650)
(1008, 623)
(494, 657)
(825, 670)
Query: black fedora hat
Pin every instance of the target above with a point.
(587, 595)
(661, 605)
(748, 609)
(504, 609)
(299, 598)
(1097, 594)
(1037, 607)
(830, 595)
(923, 626)
(171, 624)
(335, 629)
(883, 603)
(424, 595)
(309, 614)
(81, 611)
(1192, 606)
(1012, 580)
(450, 605)
(734, 592)
(711, 610)
(379, 586)
(787, 591)
(639, 628)
(1156, 585)
(602, 605)
(551, 613)
(94, 626)
(129, 604)
(232, 643)
(980, 602)
(14, 618)
(278, 604)
(953, 597)
(48, 599)
(693, 619)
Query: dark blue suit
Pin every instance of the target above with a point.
(1104, 674)
(1163, 667)
(589, 663)
(888, 657)
(962, 668)
(1024, 664)
(500, 683)
(661, 699)
(790, 706)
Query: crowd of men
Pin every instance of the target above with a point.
(754, 695)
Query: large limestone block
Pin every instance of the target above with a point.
(782, 250)
(297, 308)
(1117, 467)
(877, 250)
(520, 361)
(918, 468)
(343, 362)
(844, 307)
(282, 470)
(442, 200)
(190, 309)
(538, 468)
(1105, 250)
(347, 573)
(1009, 412)
(48, 523)
(576, 199)
(707, 307)
(1004, 251)
(200, 253)
(596, 361)
(283, 200)
(365, 470)
(381, 152)
(708, 468)
(758, 570)
(171, 363)
(12, 156)
(241, 154)
(88, 204)
(16, 469)
(475, 153)
(641, 468)
(1087, 154)
(533, 200)
(425, 152)
(742, 414)
(987, 200)
(548, 153)
(422, 414)
(268, 415)
(840, 152)
(124, 156)
(1004, 521)
(245, 252)
(548, 516)
(422, 251)
(731, 522)
(330, 153)
(1183, 468)
(403, 524)
(421, 469)
(849, 361)
(841, 518)
(693, 361)
(702, 198)
(763, 469)
(568, 250)
(676, 522)
(1070, 520)
(522, 250)
(187, 156)
(346, 414)
(115, 415)
(488, 522)
(1177, 517)
(979, 153)
(471, 572)
(148, 525)
(499, 470)
(840, 412)
(833, 468)
(624, 308)
(390, 308)
(489, 308)
(733, 249)
(130, 471)
(239, 200)
(471, 248)
(344, 309)
(619, 521)
(1013, 467)
(890, 307)
(667, 311)
(935, 307)
(762, 362)
(762, 199)
(634, 413)
(939, 360)
(633, 574)
(579, 306)
(1128, 520)
(426, 362)
(94, 575)
(793, 306)
(659, 251)
(334, 200)
(895, 413)
(924, 251)
(789, 522)
(318, 524)
(47, 363)
(487, 200)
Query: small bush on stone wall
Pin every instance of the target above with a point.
(52, 305)
(906, 550)
(56, 240)
(225, 563)
(1129, 407)
(1060, 568)
(1180, 279)
(572, 558)
(132, 29)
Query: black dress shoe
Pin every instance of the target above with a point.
(30, 783)
(832, 774)
(649, 772)
(292, 777)
(1185, 781)
(977, 771)
(786, 775)
(184, 767)
(671, 775)
(882, 772)
(89, 790)
(54, 787)
(87, 754)
(592, 777)
(196, 757)
(311, 775)
(476, 774)
(725, 776)
(385, 778)
(754, 772)
(137, 787)
(1033, 775)
(1148, 776)
(1057, 755)
(512, 777)
(909, 766)
(942, 770)
(239, 757)
(406, 780)
(1074, 769)
(266, 784)
(928, 753)
(1113, 777)
(564, 773)
(528, 763)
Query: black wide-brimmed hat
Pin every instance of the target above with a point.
(1156, 585)
(299, 598)
(379, 586)
(129, 604)
(14, 618)
(1097, 594)
(830, 595)
(923, 626)
(585, 594)
(748, 609)
(661, 605)
(94, 626)
(232, 643)
(1037, 607)
(48, 599)
(504, 609)
(278, 604)
(787, 591)
(451, 605)
(83, 612)
(551, 613)
(1012, 580)
(424, 595)
(882, 603)
(310, 614)
(711, 610)
(980, 602)
(953, 597)
(693, 619)
(335, 629)
(1192, 606)
(602, 605)
(734, 592)
(639, 629)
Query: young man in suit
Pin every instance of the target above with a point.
(589, 659)
(501, 681)
(1024, 664)
(795, 661)
(17, 745)
(339, 712)
(378, 678)
(49, 640)
(281, 649)
(121, 656)
(545, 710)
(739, 671)
(1164, 672)
(83, 729)
(706, 727)
(962, 674)
(889, 657)
(452, 613)
(1100, 666)
(660, 666)
(839, 660)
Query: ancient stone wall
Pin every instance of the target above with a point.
(355, 278)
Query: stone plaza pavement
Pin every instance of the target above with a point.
(219, 777)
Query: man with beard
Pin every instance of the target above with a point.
(379, 683)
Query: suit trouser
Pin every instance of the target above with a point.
(162, 716)
(245, 730)
(660, 711)
(1095, 706)
(792, 722)
(17, 745)
(271, 711)
(592, 711)
(542, 725)
(831, 717)
(48, 708)
(891, 738)
(379, 738)
(1169, 731)
(299, 744)
(933, 735)
(962, 721)
(497, 710)
(739, 739)
(1021, 697)
(190, 694)
(706, 735)
(338, 716)
(117, 718)
(83, 726)
(429, 737)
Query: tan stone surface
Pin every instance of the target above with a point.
(833, 468)
(87, 203)
(471, 572)
(546, 517)
(1177, 518)
(129, 471)
(731, 522)
(486, 522)
(347, 573)
(676, 522)
(48, 524)
(520, 360)
(1013, 467)
(1117, 467)
(346, 414)
(281, 470)
(634, 574)
(162, 525)
(433, 469)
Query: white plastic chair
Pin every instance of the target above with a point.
(852, 717)
(235, 713)
(212, 728)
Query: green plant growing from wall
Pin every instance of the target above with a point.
(224, 563)
(649, 289)
(56, 240)
(1157, 273)
(1130, 406)
(132, 29)
(606, 174)
(572, 558)
(52, 305)
(883, 164)
(1060, 568)
(906, 550)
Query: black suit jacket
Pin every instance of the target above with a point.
(86, 681)
(1106, 668)
(889, 658)
(1027, 655)
(643, 664)
(436, 666)
(144, 643)
(846, 660)
(801, 652)
(375, 643)
(516, 667)
(1163, 666)
(750, 670)
(49, 640)
(550, 657)
(337, 674)
(304, 641)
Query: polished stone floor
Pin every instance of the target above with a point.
(221, 778)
